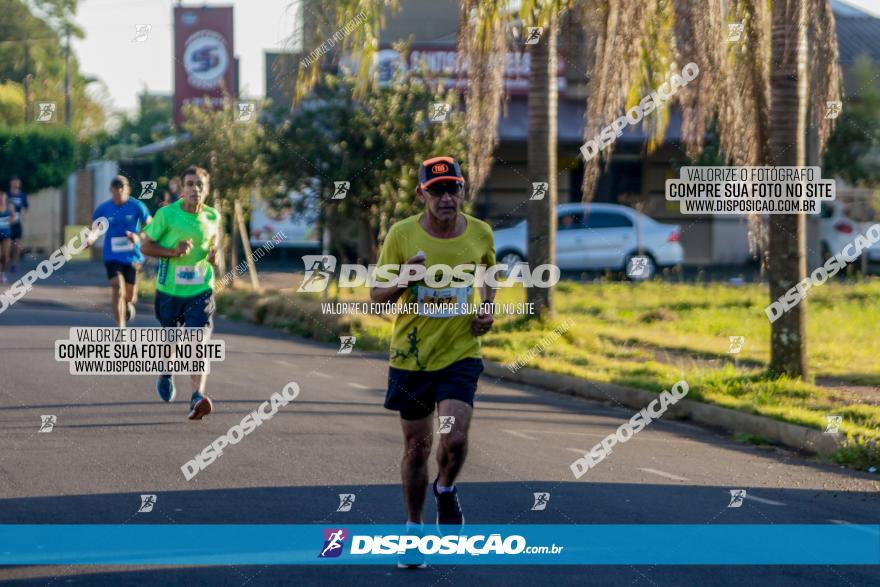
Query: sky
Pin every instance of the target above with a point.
(126, 67)
(109, 53)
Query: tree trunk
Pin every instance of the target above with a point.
(246, 245)
(541, 214)
(787, 256)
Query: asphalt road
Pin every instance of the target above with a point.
(114, 440)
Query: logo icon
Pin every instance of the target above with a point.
(148, 188)
(534, 35)
(334, 541)
(736, 344)
(341, 188)
(246, 111)
(736, 498)
(47, 423)
(346, 344)
(541, 501)
(346, 500)
(440, 168)
(539, 190)
(439, 111)
(147, 503)
(834, 423)
(735, 31)
(45, 111)
(141, 32)
(833, 108)
(205, 59)
(319, 268)
(637, 267)
(446, 423)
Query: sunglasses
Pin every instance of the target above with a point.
(453, 188)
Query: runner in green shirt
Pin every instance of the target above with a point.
(184, 236)
(435, 354)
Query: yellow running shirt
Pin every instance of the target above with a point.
(423, 342)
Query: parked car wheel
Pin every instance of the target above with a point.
(509, 258)
(648, 272)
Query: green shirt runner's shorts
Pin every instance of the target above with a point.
(190, 274)
(422, 342)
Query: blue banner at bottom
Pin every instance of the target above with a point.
(624, 544)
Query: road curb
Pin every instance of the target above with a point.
(792, 436)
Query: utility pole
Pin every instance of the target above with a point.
(27, 81)
(67, 75)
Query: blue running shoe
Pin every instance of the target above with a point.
(165, 388)
(199, 406)
(412, 558)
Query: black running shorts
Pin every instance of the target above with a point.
(191, 312)
(114, 268)
(414, 393)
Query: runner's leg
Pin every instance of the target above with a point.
(418, 436)
(200, 314)
(16, 252)
(452, 451)
(117, 283)
(4, 255)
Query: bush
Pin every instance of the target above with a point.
(43, 156)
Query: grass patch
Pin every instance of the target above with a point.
(611, 332)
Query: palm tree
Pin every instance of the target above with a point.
(638, 42)
(754, 91)
(485, 31)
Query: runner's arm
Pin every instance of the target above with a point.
(382, 295)
(151, 248)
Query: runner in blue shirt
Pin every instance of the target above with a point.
(122, 246)
(7, 219)
(20, 200)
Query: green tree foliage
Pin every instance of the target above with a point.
(45, 155)
(152, 122)
(375, 143)
(32, 54)
(228, 148)
(854, 148)
(11, 104)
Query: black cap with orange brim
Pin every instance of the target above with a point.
(439, 169)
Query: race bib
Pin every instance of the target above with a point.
(442, 303)
(4, 222)
(189, 276)
(121, 244)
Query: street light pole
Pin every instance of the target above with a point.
(67, 76)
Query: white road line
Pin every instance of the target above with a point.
(663, 474)
(319, 374)
(357, 385)
(871, 531)
(596, 435)
(580, 451)
(763, 500)
(519, 434)
(285, 363)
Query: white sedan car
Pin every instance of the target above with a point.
(598, 237)
(837, 229)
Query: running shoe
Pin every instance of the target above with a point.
(412, 558)
(130, 312)
(448, 509)
(165, 388)
(199, 406)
